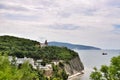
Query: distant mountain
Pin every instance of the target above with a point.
(72, 46)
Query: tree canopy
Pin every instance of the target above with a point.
(10, 71)
(21, 47)
(111, 72)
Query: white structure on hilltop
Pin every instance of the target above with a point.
(44, 44)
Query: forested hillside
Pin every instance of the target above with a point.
(21, 47)
(17, 46)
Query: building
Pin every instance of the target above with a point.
(44, 44)
(35, 64)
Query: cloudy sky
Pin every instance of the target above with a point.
(87, 22)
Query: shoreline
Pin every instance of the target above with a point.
(75, 75)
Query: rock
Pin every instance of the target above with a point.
(74, 66)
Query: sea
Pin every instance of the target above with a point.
(94, 58)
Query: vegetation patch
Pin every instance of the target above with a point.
(21, 47)
(111, 72)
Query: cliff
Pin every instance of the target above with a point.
(74, 66)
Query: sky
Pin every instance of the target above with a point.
(85, 22)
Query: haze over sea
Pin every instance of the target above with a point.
(94, 58)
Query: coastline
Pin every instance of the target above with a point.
(75, 75)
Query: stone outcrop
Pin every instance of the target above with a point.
(74, 66)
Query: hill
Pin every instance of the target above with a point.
(21, 47)
(73, 46)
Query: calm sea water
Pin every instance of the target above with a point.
(94, 58)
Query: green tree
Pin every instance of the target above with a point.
(9, 71)
(27, 72)
(111, 72)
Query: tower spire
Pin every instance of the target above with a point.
(46, 43)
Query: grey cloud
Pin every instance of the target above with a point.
(116, 32)
(11, 7)
(42, 38)
(19, 17)
(115, 3)
(64, 27)
(46, 2)
(116, 29)
(117, 26)
(76, 10)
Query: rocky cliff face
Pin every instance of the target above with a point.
(74, 66)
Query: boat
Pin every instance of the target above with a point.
(104, 53)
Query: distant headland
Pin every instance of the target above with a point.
(73, 46)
